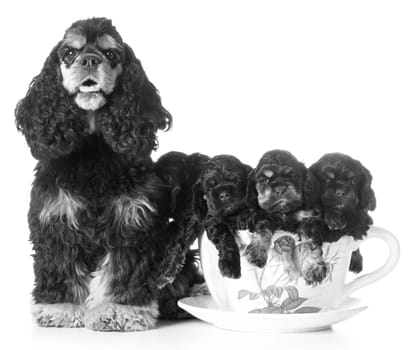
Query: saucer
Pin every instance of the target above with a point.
(206, 309)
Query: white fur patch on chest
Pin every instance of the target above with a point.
(99, 292)
(64, 205)
(134, 210)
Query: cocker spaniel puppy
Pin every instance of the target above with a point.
(219, 199)
(340, 188)
(97, 209)
(179, 172)
(275, 194)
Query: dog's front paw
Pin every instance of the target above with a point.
(309, 228)
(230, 268)
(356, 262)
(122, 318)
(58, 315)
(256, 255)
(316, 273)
(335, 221)
(199, 290)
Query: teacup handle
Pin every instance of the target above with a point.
(388, 266)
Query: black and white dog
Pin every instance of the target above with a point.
(97, 208)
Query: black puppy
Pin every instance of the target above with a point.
(275, 194)
(340, 187)
(179, 172)
(219, 199)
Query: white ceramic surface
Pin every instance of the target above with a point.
(206, 309)
(273, 290)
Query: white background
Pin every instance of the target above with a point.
(240, 78)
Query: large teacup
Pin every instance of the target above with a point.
(276, 289)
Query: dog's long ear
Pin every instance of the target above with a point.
(200, 208)
(48, 115)
(366, 193)
(174, 187)
(175, 191)
(251, 192)
(312, 190)
(134, 113)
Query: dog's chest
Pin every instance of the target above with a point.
(91, 171)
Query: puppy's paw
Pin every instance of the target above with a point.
(58, 315)
(335, 221)
(230, 267)
(315, 273)
(263, 226)
(199, 290)
(308, 228)
(122, 318)
(256, 255)
(356, 262)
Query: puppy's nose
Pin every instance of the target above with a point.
(90, 61)
(340, 193)
(224, 196)
(280, 190)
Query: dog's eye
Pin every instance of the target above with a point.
(110, 55)
(265, 181)
(70, 54)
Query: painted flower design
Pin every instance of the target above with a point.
(283, 268)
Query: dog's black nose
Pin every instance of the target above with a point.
(90, 61)
(340, 193)
(224, 196)
(280, 190)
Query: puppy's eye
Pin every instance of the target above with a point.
(352, 181)
(110, 55)
(265, 181)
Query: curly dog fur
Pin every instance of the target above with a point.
(219, 201)
(275, 196)
(339, 187)
(98, 211)
(180, 172)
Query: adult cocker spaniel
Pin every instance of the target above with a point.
(97, 208)
(339, 187)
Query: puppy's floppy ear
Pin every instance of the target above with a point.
(200, 208)
(175, 191)
(312, 189)
(366, 193)
(251, 192)
(48, 115)
(134, 113)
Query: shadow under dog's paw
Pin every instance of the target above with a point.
(121, 318)
(58, 315)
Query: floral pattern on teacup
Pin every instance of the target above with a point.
(280, 297)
